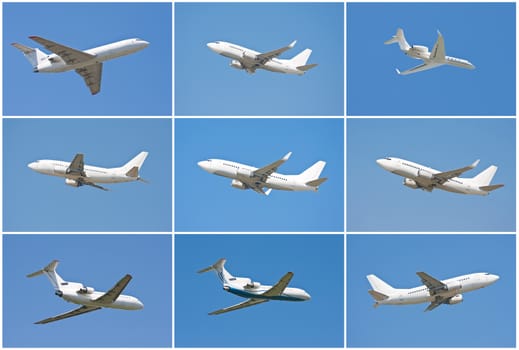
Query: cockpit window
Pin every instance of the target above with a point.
(387, 158)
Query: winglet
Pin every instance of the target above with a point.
(285, 158)
(292, 44)
(398, 71)
(267, 192)
(475, 164)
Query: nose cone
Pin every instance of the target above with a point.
(214, 47)
(140, 304)
(385, 164)
(493, 278)
(307, 296)
(205, 165)
(32, 166)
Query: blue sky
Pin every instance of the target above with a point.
(471, 30)
(206, 202)
(97, 261)
(318, 265)
(138, 84)
(486, 318)
(206, 85)
(377, 200)
(37, 202)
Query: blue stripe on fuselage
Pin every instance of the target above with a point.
(246, 294)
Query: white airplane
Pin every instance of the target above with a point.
(427, 179)
(433, 291)
(76, 173)
(88, 63)
(257, 293)
(250, 60)
(90, 300)
(245, 177)
(432, 59)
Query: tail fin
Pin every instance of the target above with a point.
(400, 39)
(378, 285)
(485, 177)
(50, 271)
(307, 67)
(301, 58)
(312, 173)
(219, 269)
(131, 168)
(34, 56)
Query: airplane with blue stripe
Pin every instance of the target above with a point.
(254, 291)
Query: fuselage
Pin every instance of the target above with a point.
(55, 64)
(248, 58)
(422, 53)
(93, 173)
(416, 172)
(242, 172)
(455, 286)
(289, 294)
(71, 293)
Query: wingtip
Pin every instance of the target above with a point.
(292, 44)
(398, 71)
(287, 156)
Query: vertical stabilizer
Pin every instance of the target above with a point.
(219, 269)
(400, 39)
(485, 177)
(34, 56)
(301, 58)
(378, 285)
(50, 271)
(313, 172)
(131, 168)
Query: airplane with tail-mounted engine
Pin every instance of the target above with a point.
(88, 63)
(432, 59)
(245, 177)
(250, 60)
(77, 174)
(427, 179)
(433, 291)
(254, 291)
(90, 299)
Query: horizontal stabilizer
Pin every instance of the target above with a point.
(377, 295)
(317, 183)
(490, 187)
(307, 67)
(51, 267)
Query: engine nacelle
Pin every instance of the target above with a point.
(72, 183)
(424, 174)
(236, 64)
(420, 49)
(410, 183)
(458, 298)
(252, 285)
(86, 290)
(238, 184)
(250, 56)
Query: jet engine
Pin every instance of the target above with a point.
(72, 183)
(410, 183)
(252, 285)
(458, 298)
(420, 51)
(420, 48)
(86, 290)
(250, 56)
(238, 184)
(236, 64)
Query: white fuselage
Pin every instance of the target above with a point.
(415, 171)
(455, 286)
(54, 64)
(248, 57)
(242, 173)
(93, 173)
(422, 53)
(70, 292)
(255, 291)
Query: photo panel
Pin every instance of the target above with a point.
(317, 264)
(485, 318)
(207, 84)
(34, 202)
(466, 29)
(205, 202)
(136, 84)
(379, 200)
(97, 261)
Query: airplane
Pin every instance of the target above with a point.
(90, 299)
(77, 174)
(88, 63)
(245, 177)
(427, 179)
(432, 59)
(254, 291)
(434, 291)
(250, 60)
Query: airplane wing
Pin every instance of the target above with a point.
(438, 51)
(264, 57)
(92, 76)
(90, 183)
(271, 168)
(432, 283)
(246, 303)
(446, 175)
(83, 309)
(422, 67)
(279, 287)
(437, 302)
(68, 54)
(77, 166)
(110, 296)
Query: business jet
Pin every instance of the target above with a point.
(245, 177)
(427, 179)
(432, 59)
(77, 174)
(254, 291)
(250, 60)
(88, 63)
(433, 291)
(90, 299)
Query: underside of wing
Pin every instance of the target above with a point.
(92, 76)
(242, 305)
(279, 287)
(431, 283)
(76, 312)
(83, 181)
(68, 54)
(110, 296)
(420, 68)
(263, 57)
